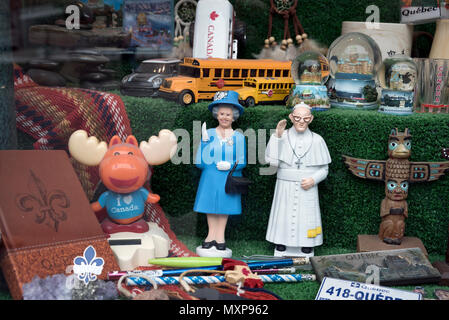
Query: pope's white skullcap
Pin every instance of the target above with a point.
(301, 105)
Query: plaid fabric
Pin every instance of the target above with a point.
(51, 114)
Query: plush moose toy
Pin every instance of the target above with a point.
(123, 169)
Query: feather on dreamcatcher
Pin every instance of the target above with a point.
(184, 17)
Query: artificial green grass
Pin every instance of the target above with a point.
(4, 295)
(349, 205)
(306, 290)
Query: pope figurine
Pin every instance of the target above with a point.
(220, 149)
(302, 158)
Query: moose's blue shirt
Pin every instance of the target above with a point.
(124, 205)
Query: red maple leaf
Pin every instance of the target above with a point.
(219, 83)
(213, 16)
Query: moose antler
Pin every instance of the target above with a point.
(160, 149)
(87, 150)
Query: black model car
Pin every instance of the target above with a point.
(146, 79)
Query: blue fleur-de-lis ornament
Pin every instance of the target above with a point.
(88, 266)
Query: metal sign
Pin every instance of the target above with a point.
(337, 289)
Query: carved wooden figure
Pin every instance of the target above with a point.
(397, 172)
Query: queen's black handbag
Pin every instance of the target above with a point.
(236, 184)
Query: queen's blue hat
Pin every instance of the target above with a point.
(227, 97)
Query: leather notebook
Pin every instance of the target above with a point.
(45, 218)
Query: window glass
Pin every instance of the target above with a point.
(148, 67)
(189, 71)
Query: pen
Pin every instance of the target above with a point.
(115, 275)
(274, 271)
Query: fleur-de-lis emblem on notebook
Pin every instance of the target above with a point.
(48, 207)
(88, 266)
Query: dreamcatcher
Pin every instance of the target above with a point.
(184, 16)
(287, 9)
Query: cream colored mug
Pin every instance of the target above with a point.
(392, 38)
(440, 44)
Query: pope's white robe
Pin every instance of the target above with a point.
(295, 218)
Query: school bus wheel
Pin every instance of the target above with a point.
(186, 97)
(250, 102)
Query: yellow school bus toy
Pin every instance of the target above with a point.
(265, 90)
(200, 79)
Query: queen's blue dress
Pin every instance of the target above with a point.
(211, 196)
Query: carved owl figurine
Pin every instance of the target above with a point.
(394, 209)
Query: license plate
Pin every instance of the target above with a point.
(337, 289)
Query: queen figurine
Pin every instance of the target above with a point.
(220, 149)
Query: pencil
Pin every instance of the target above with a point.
(273, 278)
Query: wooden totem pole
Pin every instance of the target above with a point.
(398, 173)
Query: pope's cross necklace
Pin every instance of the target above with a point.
(298, 162)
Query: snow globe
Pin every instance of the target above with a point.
(310, 71)
(397, 78)
(354, 59)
